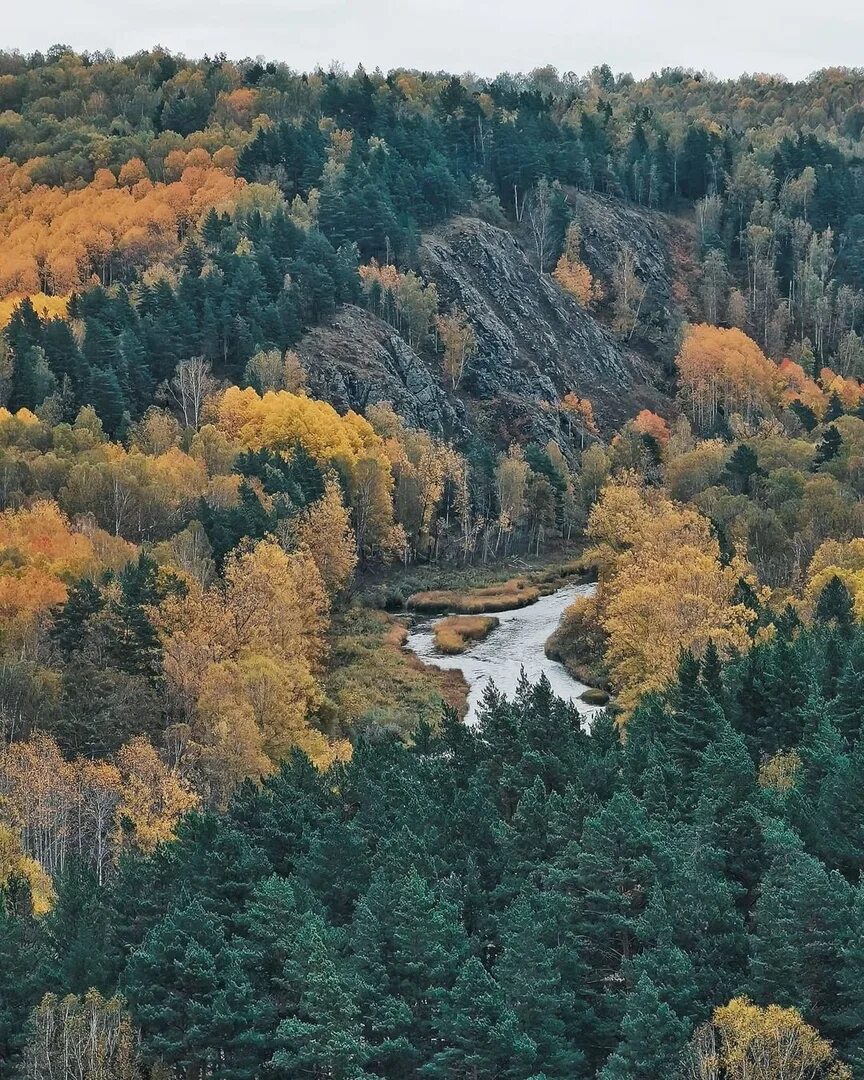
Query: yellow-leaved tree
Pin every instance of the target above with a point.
(242, 659)
(281, 421)
(325, 531)
(40, 554)
(662, 586)
(843, 559)
(746, 1042)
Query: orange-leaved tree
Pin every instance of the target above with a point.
(724, 370)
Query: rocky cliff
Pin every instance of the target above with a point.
(535, 343)
(358, 360)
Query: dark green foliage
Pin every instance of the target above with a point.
(829, 447)
(227, 526)
(22, 973)
(516, 899)
(653, 1038)
(110, 660)
(191, 998)
(835, 605)
(742, 469)
(133, 344)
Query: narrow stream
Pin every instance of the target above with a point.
(515, 644)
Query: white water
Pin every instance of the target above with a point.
(515, 644)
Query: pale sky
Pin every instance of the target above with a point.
(726, 37)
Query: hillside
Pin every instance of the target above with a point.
(535, 343)
(292, 363)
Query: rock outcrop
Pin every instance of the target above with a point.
(608, 225)
(534, 342)
(359, 360)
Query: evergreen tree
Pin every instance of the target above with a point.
(32, 381)
(22, 973)
(801, 922)
(323, 1033)
(829, 447)
(847, 708)
(540, 983)
(847, 1023)
(188, 994)
(478, 1034)
(712, 673)
(742, 469)
(653, 1038)
(835, 605)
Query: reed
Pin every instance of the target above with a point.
(454, 634)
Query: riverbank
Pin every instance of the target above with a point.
(516, 592)
(392, 588)
(517, 645)
(373, 682)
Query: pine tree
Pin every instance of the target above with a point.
(840, 814)
(847, 1022)
(829, 447)
(847, 708)
(835, 408)
(712, 673)
(800, 924)
(742, 468)
(70, 621)
(22, 971)
(611, 879)
(835, 605)
(74, 933)
(696, 720)
(540, 983)
(32, 382)
(478, 1034)
(188, 994)
(323, 1033)
(668, 966)
(653, 1038)
(409, 945)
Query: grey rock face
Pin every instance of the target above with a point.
(607, 226)
(535, 343)
(358, 360)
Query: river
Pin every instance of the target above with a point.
(515, 644)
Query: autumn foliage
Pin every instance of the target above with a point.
(725, 370)
(59, 809)
(281, 420)
(241, 660)
(40, 554)
(649, 423)
(747, 1042)
(662, 586)
(57, 240)
(573, 275)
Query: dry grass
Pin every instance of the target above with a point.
(502, 596)
(516, 592)
(454, 634)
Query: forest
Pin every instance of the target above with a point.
(243, 832)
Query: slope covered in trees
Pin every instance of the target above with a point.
(511, 898)
(265, 335)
